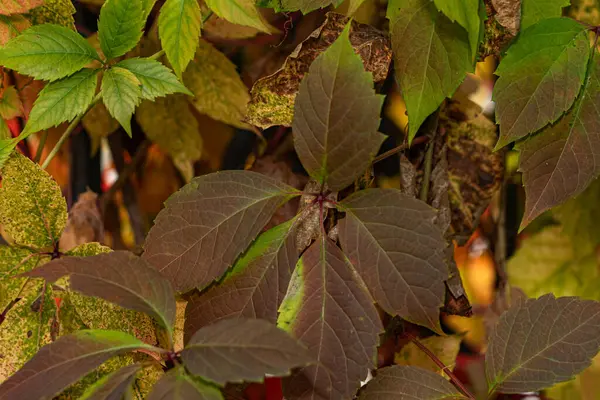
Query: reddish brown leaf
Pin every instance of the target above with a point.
(8, 7)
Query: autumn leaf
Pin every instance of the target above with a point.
(11, 26)
(10, 103)
(121, 94)
(114, 385)
(445, 348)
(59, 12)
(8, 7)
(240, 12)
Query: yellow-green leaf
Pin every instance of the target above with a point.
(240, 12)
(444, 347)
(59, 12)
(10, 103)
(121, 93)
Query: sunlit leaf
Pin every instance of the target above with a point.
(533, 11)
(445, 349)
(240, 12)
(121, 93)
(120, 26)
(178, 385)
(112, 386)
(11, 26)
(466, 14)
(8, 7)
(156, 79)
(306, 6)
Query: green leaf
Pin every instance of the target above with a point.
(156, 79)
(562, 160)
(395, 246)
(6, 145)
(113, 386)
(10, 103)
(329, 310)
(218, 89)
(353, 6)
(11, 26)
(88, 249)
(466, 14)
(178, 385)
(120, 26)
(62, 101)
(63, 362)
(32, 209)
(437, 62)
(240, 12)
(540, 77)
(542, 342)
(404, 383)
(118, 277)
(179, 26)
(216, 215)
(533, 11)
(8, 7)
(336, 116)
(121, 93)
(306, 6)
(48, 52)
(253, 288)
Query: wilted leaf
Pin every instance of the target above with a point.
(240, 12)
(32, 209)
(121, 93)
(218, 90)
(444, 347)
(64, 361)
(11, 26)
(59, 12)
(392, 241)
(254, 287)
(437, 62)
(209, 223)
(113, 386)
(533, 11)
(540, 77)
(85, 223)
(156, 79)
(178, 385)
(405, 383)
(542, 342)
(120, 26)
(10, 103)
(330, 311)
(466, 14)
(8, 7)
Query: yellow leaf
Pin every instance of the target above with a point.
(444, 347)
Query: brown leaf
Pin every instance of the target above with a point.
(508, 14)
(85, 224)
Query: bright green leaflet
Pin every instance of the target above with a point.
(10, 103)
(466, 13)
(120, 26)
(240, 12)
(156, 79)
(533, 11)
(121, 93)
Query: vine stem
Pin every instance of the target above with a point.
(427, 172)
(398, 149)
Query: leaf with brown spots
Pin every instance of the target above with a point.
(8, 7)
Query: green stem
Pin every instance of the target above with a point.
(157, 55)
(207, 16)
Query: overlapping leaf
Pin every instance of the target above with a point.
(540, 77)
(562, 160)
(533, 11)
(445, 348)
(121, 93)
(178, 385)
(11, 26)
(10, 103)
(336, 116)
(113, 386)
(396, 248)
(209, 223)
(156, 79)
(329, 311)
(437, 62)
(47, 52)
(120, 26)
(8, 7)
(59, 12)
(306, 6)
(466, 14)
(255, 286)
(240, 12)
(66, 360)
(542, 342)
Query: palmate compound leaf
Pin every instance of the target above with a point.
(208, 223)
(395, 246)
(236, 350)
(32, 209)
(533, 11)
(62, 101)
(119, 277)
(561, 161)
(540, 77)
(466, 14)
(254, 287)
(179, 25)
(156, 79)
(8, 7)
(336, 116)
(437, 62)
(542, 342)
(121, 93)
(178, 385)
(47, 52)
(120, 26)
(408, 383)
(329, 310)
(113, 386)
(240, 12)
(63, 362)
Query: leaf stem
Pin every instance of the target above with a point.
(40, 149)
(157, 55)
(207, 16)
(398, 149)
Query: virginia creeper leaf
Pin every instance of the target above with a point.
(113, 386)
(218, 89)
(395, 246)
(11, 26)
(62, 100)
(466, 14)
(10, 103)
(254, 287)
(540, 77)
(32, 209)
(179, 26)
(330, 311)
(119, 277)
(542, 342)
(336, 116)
(178, 385)
(64, 361)
(47, 52)
(120, 26)
(8, 7)
(240, 12)
(156, 79)
(533, 11)
(121, 93)
(306, 6)
(445, 348)
(405, 383)
(88, 249)
(236, 350)
(208, 223)
(13, 261)
(436, 63)
(353, 6)
(561, 161)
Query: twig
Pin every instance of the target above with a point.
(398, 149)
(40, 149)
(427, 172)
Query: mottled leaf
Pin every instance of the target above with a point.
(32, 209)
(178, 385)
(240, 12)
(121, 93)
(407, 383)
(561, 161)
(337, 116)
(119, 277)
(10, 103)
(466, 14)
(540, 77)
(218, 89)
(445, 348)
(254, 287)
(48, 52)
(120, 26)
(13, 261)
(209, 223)
(11, 26)
(8, 7)
(59, 12)
(437, 62)
(306, 6)
(330, 311)
(113, 386)
(88, 249)
(156, 79)
(542, 342)
(64, 361)
(533, 11)
(394, 244)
